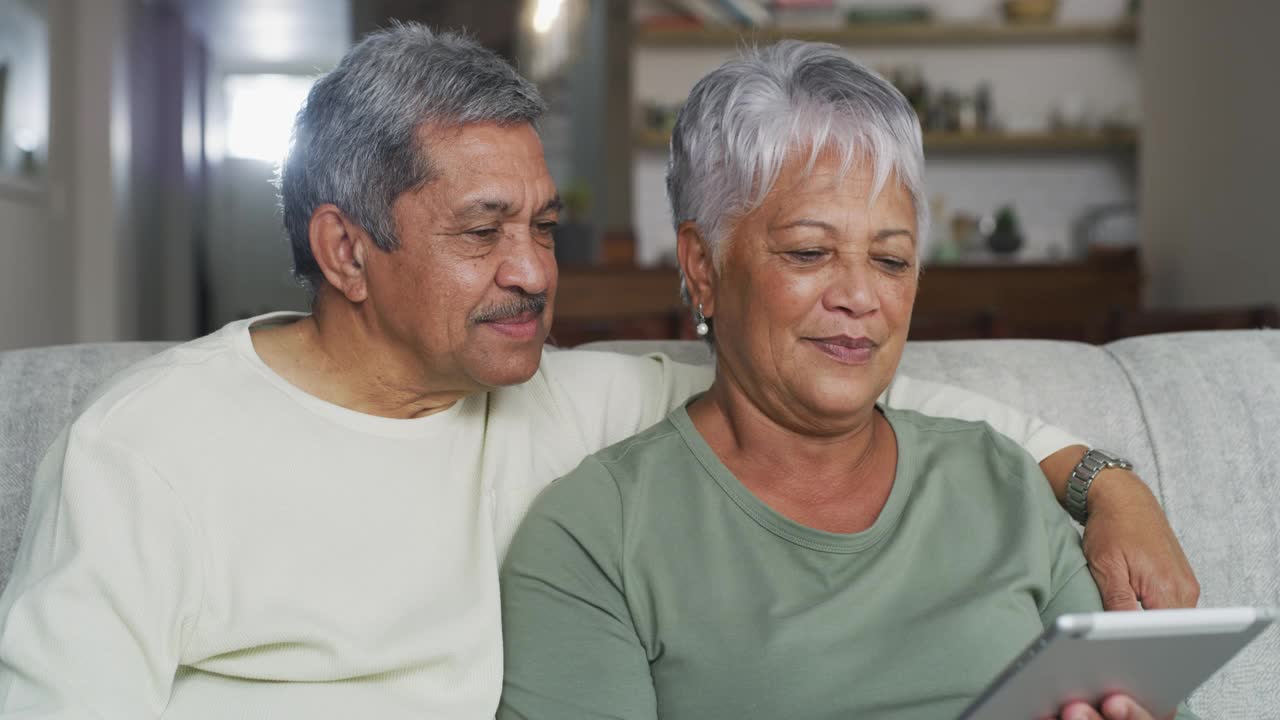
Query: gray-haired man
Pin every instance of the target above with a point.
(302, 515)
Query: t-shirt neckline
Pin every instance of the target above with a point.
(238, 335)
(783, 526)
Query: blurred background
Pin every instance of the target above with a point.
(1097, 168)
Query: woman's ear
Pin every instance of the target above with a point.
(699, 269)
(339, 245)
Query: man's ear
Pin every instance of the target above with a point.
(339, 246)
(698, 267)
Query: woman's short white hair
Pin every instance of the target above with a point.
(742, 121)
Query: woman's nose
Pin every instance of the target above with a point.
(852, 290)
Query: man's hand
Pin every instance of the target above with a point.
(1116, 707)
(1133, 554)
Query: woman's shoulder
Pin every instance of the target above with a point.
(958, 443)
(935, 428)
(948, 456)
(593, 506)
(611, 474)
(659, 441)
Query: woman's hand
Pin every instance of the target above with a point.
(1116, 707)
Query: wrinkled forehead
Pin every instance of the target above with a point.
(479, 148)
(504, 162)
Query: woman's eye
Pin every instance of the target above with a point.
(894, 264)
(806, 256)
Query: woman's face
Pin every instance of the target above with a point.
(813, 299)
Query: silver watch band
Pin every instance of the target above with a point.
(1082, 477)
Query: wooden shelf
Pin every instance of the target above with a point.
(1031, 143)
(1066, 300)
(1124, 32)
(994, 143)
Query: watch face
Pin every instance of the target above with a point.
(1109, 460)
(1105, 456)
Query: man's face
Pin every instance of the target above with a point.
(470, 290)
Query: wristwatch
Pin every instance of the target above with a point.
(1093, 462)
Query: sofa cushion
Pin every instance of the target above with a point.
(1211, 402)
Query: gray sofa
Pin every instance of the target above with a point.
(1198, 412)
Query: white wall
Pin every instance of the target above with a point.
(99, 250)
(247, 255)
(249, 259)
(100, 232)
(24, 109)
(1210, 153)
(35, 303)
(35, 307)
(64, 257)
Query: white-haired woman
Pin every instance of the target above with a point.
(782, 546)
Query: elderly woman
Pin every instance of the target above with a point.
(782, 546)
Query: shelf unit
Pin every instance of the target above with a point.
(1102, 147)
(1032, 142)
(1124, 32)
(1065, 300)
(1122, 141)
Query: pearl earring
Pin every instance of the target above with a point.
(702, 328)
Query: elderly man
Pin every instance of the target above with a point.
(302, 515)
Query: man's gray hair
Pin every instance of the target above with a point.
(356, 140)
(742, 121)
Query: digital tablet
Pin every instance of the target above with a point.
(1156, 656)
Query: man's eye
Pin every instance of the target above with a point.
(894, 264)
(484, 233)
(543, 233)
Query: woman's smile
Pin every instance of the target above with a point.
(845, 349)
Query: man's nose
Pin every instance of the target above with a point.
(527, 266)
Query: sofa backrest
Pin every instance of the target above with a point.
(1081, 388)
(1198, 412)
(1211, 405)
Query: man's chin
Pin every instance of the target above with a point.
(511, 367)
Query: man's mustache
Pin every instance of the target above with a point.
(519, 304)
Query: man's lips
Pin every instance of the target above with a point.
(846, 349)
(523, 326)
(523, 317)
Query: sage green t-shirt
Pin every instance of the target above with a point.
(650, 583)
